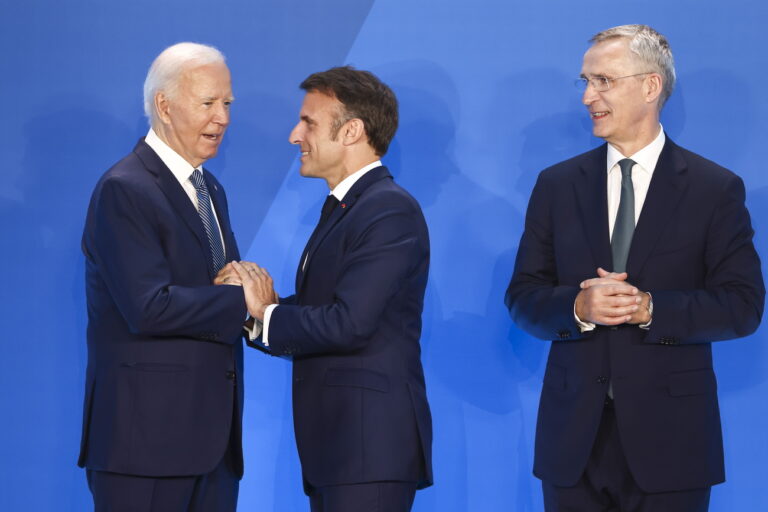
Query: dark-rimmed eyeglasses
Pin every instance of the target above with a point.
(601, 83)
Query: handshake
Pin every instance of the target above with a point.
(257, 284)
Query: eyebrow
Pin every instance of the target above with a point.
(214, 98)
(307, 119)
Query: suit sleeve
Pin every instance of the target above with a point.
(730, 305)
(380, 260)
(536, 300)
(125, 241)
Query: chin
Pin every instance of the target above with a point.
(597, 132)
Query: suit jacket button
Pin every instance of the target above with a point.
(602, 380)
(231, 375)
(564, 335)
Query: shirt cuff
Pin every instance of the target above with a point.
(265, 331)
(650, 313)
(253, 331)
(583, 326)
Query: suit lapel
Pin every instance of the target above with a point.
(176, 195)
(591, 194)
(667, 186)
(338, 213)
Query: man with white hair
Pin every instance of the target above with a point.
(164, 394)
(635, 257)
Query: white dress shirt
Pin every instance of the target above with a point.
(642, 172)
(182, 170)
(339, 192)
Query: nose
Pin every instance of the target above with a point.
(221, 115)
(590, 94)
(295, 136)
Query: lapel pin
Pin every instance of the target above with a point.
(343, 205)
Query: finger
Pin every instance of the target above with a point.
(618, 311)
(599, 281)
(621, 289)
(619, 276)
(620, 301)
(246, 264)
(241, 271)
(608, 288)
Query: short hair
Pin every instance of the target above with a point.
(167, 68)
(363, 96)
(650, 47)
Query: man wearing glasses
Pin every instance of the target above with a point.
(635, 257)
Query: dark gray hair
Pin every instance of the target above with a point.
(651, 48)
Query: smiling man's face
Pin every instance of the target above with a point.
(622, 114)
(321, 149)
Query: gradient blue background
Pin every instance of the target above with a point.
(487, 101)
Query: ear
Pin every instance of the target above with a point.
(163, 107)
(652, 87)
(353, 132)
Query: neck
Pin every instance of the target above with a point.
(350, 166)
(170, 140)
(642, 137)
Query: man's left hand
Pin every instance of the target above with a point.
(258, 287)
(640, 317)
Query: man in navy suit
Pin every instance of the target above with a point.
(635, 257)
(361, 416)
(164, 395)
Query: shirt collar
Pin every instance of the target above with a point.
(178, 166)
(342, 188)
(646, 158)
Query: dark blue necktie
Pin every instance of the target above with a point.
(325, 213)
(205, 210)
(624, 226)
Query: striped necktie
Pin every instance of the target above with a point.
(205, 210)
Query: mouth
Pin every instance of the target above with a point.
(213, 137)
(598, 115)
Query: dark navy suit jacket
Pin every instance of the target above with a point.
(692, 250)
(353, 327)
(164, 376)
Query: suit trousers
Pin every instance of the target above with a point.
(212, 492)
(365, 497)
(607, 484)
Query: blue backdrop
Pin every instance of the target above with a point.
(487, 101)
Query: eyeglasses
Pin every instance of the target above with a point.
(601, 83)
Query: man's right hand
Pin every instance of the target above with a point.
(228, 275)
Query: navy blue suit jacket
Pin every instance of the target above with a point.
(164, 345)
(692, 250)
(359, 400)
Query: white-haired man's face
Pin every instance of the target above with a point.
(193, 121)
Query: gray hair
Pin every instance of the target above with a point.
(651, 48)
(164, 74)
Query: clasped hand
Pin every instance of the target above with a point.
(609, 299)
(257, 284)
